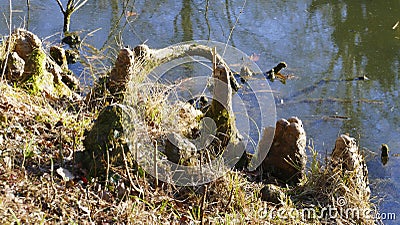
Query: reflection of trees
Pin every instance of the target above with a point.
(217, 20)
(364, 38)
(68, 10)
(115, 22)
(186, 20)
(365, 44)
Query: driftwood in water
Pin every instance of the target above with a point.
(147, 59)
(321, 83)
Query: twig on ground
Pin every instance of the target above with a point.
(129, 174)
(203, 204)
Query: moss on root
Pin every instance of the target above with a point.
(104, 143)
(36, 79)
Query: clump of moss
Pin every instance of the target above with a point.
(104, 143)
(35, 77)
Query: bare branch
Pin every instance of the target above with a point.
(79, 4)
(61, 6)
(70, 5)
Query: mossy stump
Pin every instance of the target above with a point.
(31, 68)
(104, 143)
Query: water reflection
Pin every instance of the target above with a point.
(186, 22)
(366, 44)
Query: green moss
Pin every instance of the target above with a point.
(61, 89)
(35, 77)
(38, 61)
(104, 141)
(222, 119)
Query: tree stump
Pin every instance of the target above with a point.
(286, 159)
(346, 158)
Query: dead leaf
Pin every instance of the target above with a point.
(83, 208)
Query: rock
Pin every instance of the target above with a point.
(25, 42)
(180, 150)
(104, 141)
(121, 72)
(271, 193)
(286, 159)
(15, 67)
(59, 56)
(37, 79)
(347, 158)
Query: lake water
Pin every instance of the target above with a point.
(319, 40)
